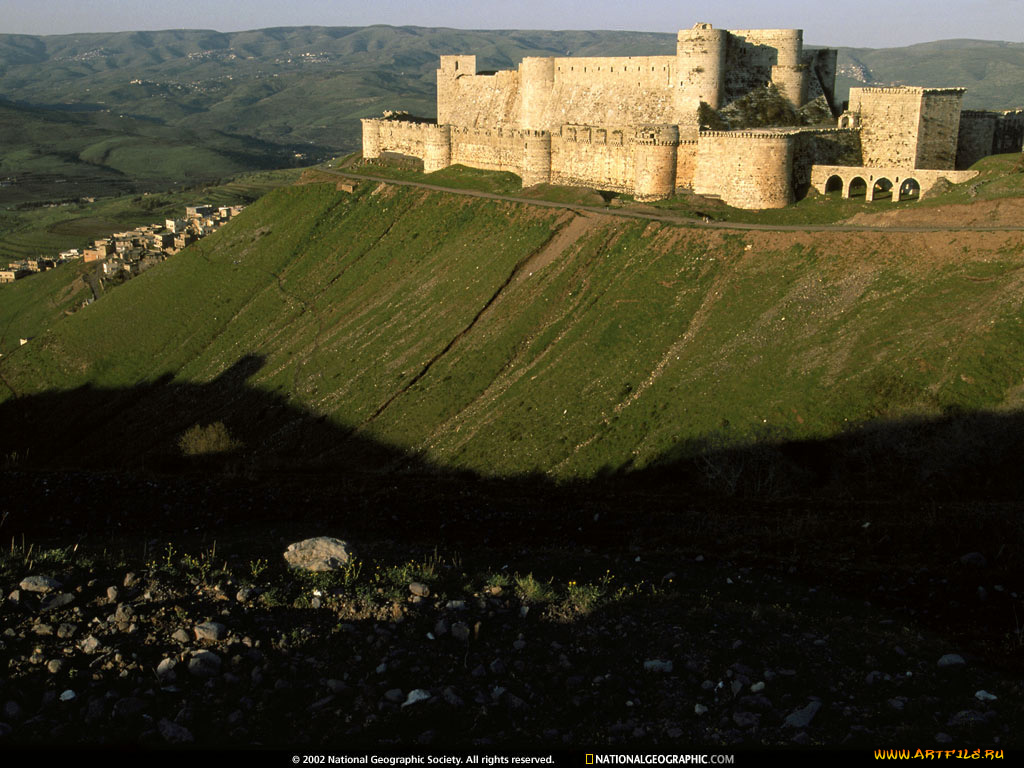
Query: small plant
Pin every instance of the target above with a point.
(530, 590)
(209, 440)
(257, 567)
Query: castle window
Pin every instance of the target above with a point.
(456, 65)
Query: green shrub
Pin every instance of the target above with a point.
(211, 439)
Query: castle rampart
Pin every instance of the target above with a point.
(632, 124)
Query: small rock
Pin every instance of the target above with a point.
(460, 631)
(68, 695)
(943, 738)
(90, 644)
(985, 696)
(53, 602)
(42, 629)
(124, 613)
(746, 719)
(415, 696)
(112, 594)
(419, 589)
(966, 718)
(65, 631)
(395, 695)
(451, 697)
(173, 733)
(165, 669)
(204, 664)
(951, 660)
(658, 665)
(245, 594)
(55, 666)
(181, 636)
(757, 687)
(700, 709)
(130, 579)
(321, 553)
(211, 631)
(128, 708)
(801, 718)
(974, 560)
(898, 703)
(39, 584)
(456, 605)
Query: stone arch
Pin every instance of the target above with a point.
(834, 184)
(882, 189)
(857, 188)
(844, 121)
(909, 189)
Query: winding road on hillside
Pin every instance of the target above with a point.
(681, 220)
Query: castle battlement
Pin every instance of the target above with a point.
(631, 123)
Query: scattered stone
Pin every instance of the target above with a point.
(245, 594)
(974, 560)
(39, 584)
(53, 602)
(700, 709)
(55, 666)
(204, 664)
(951, 660)
(801, 718)
(211, 631)
(181, 636)
(451, 697)
(757, 687)
(460, 631)
(419, 589)
(943, 738)
(68, 695)
(90, 644)
(165, 669)
(985, 696)
(128, 708)
(966, 718)
(173, 733)
(395, 695)
(112, 594)
(130, 580)
(658, 665)
(746, 720)
(42, 629)
(321, 553)
(415, 696)
(66, 631)
(124, 613)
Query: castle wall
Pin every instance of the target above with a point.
(939, 126)
(831, 147)
(756, 57)
(746, 169)
(592, 156)
(477, 101)
(822, 64)
(988, 133)
(889, 124)
(686, 163)
(701, 61)
(490, 149)
(976, 138)
(427, 141)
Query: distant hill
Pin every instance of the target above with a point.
(992, 72)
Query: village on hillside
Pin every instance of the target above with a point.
(132, 252)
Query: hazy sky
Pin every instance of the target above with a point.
(862, 23)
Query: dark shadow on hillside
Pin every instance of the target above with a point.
(166, 455)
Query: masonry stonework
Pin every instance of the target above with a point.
(631, 124)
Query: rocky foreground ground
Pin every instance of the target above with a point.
(655, 648)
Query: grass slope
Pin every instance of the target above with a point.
(504, 339)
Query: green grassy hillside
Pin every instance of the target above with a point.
(506, 339)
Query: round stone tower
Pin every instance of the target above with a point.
(536, 83)
(655, 149)
(536, 168)
(700, 67)
(437, 147)
(789, 74)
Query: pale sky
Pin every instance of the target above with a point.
(860, 23)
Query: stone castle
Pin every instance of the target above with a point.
(634, 124)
